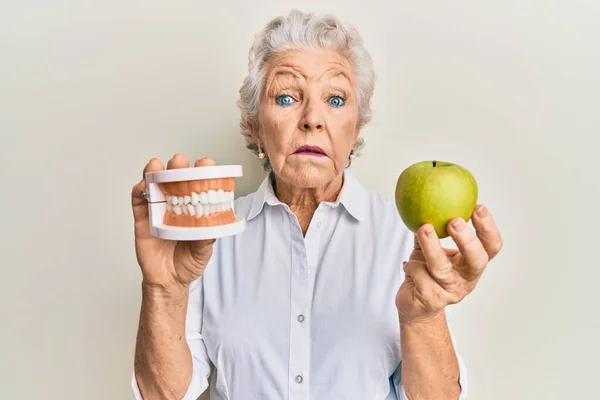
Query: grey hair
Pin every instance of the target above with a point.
(304, 30)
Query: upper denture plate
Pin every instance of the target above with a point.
(186, 199)
(194, 198)
(220, 195)
(203, 198)
(180, 200)
(174, 200)
(212, 197)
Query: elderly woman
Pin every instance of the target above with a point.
(326, 295)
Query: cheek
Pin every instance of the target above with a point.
(278, 128)
(345, 126)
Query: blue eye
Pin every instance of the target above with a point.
(336, 101)
(284, 100)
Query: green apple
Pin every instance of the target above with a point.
(435, 192)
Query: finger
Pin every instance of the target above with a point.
(417, 253)
(417, 245)
(470, 247)
(178, 161)
(204, 162)
(181, 188)
(487, 231)
(427, 291)
(438, 263)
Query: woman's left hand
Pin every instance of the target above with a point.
(437, 277)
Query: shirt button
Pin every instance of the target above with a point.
(299, 378)
(300, 318)
(319, 224)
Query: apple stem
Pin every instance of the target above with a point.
(434, 163)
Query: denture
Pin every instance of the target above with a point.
(194, 203)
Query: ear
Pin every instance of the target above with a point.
(254, 133)
(356, 136)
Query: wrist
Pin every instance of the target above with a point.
(427, 320)
(173, 290)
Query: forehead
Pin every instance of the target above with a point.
(310, 65)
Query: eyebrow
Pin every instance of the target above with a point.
(287, 70)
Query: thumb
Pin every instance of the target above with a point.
(139, 205)
(201, 250)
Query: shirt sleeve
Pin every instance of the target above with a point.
(201, 365)
(463, 380)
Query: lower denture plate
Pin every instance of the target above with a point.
(169, 206)
(185, 209)
(191, 209)
(177, 209)
(199, 210)
(186, 199)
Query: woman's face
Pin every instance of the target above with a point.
(308, 116)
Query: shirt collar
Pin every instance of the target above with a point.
(353, 196)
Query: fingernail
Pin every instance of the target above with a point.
(481, 211)
(458, 224)
(429, 231)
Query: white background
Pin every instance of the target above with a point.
(91, 90)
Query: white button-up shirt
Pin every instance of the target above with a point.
(283, 316)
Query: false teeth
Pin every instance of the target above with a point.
(193, 203)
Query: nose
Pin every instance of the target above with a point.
(312, 119)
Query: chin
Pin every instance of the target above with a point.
(308, 176)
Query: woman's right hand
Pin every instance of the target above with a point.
(167, 264)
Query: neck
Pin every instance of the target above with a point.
(303, 202)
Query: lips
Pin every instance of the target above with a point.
(310, 150)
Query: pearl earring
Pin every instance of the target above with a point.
(352, 155)
(261, 155)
